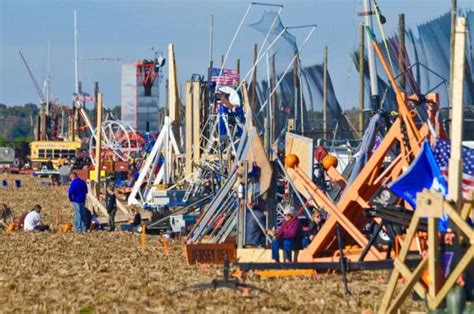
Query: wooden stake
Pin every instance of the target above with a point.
(143, 240)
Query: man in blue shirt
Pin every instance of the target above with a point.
(77, 195)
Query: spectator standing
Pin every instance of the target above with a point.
(77, 195)
(111, 206)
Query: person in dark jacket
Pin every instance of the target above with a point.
(134, 220)
(288, 236)
(317, 221)
(254, 235)
(77, 195)
(111, 206)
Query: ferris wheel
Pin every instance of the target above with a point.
(120, 142)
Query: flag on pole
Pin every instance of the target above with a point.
(83, 97)
(442, 153)
(228, 77)
(423, 173)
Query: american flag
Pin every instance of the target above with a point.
(83, 97)
(442, 152)
(228, 77)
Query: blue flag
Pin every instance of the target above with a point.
(424, 172)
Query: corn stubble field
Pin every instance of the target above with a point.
(109, 272)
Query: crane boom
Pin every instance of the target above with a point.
(38, 89)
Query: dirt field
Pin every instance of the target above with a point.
(108, 272)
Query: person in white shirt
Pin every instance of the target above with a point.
(33, 220)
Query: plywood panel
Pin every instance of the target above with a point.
(303, 147)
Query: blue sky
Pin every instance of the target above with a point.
(128, 30)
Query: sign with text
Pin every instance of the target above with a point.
(210, 253)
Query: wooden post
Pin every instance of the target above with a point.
(455, 162)
(74, 121)
(296, 92)
(173, 94)
(188, 141)
(361, 79)
(325, 93)
(454, 8)
(253, 90)
(98, 144)
(401, 50)
(433, 255)
(196, 122)
(274, 118)
(96, 92)
(43, 128)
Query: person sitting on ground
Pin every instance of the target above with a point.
(111, 206)
(33, 221)
(6, 216)
(254, 235)
(288, 236)
(91, 220)
(317, 221)
(134, 220)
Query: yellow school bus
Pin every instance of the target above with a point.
(43, 151)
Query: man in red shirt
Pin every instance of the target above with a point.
(288, 236)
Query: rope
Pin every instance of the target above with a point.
(384, 38)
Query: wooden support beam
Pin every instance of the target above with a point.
(122, 208)
(457, 90)
(392, 283)
(426, 201)
(433, 255)
(197, 122)
(411, 281)
(188, 140)
(173, 94)
(98, 144)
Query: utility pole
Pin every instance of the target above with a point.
(237, 66)
(211, 38)
(325, 93)
(76, 70)
(401, 51)
(374, 90)
(361, 80)
(48, 82)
